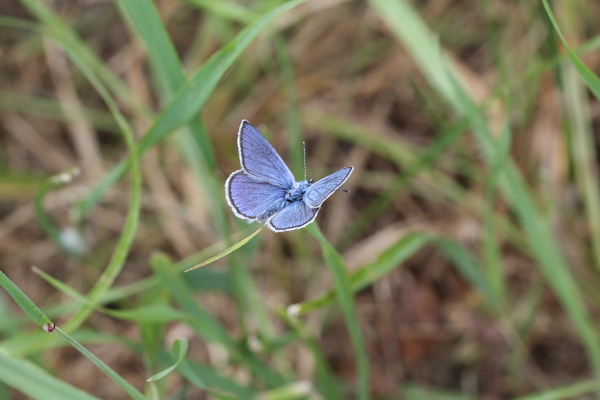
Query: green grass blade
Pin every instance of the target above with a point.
(294, 123)
(399, 252)
(36, 383)
(157, 312)
(582, 150)
(229, 10)
(193, 95)
(97, 74)
(425, 49)
(23, 301)
(193, 141)
(208, 326)
(131, 221)
(585, 162)
(429, 157)
(158, 43)
(131, 391)
(14, 22)
(470, 269)
(565, 392)
(325, 378)
(491, 246)
(227, 251)
(50, 228)
(179, 350)
(80, 53)
(205, 324)
(391, 258)
(589, 77)
(414, 392)
(345, 297)
(48, 108)
(167, 65)
(292, 391)
(205, 377)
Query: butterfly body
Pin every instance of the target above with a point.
(297, 191)
(265, 190)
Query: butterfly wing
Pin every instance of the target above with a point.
(318, 192)
(252, 199)
(295, 216)
(260, 159)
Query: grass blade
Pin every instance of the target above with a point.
(36, 383)
(191, 97)
(80, 53)
(23, 301)
(391, 258)
(180, 348)
(345, 298)
(226, 251)
(205, 324)
(589, 77)
(565, 392)
(131, 391)
(205, 377)
(425, 49)
(585, 162)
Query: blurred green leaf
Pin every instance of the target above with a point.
(205, 377)
(226, 251)
(23, 301)
(48, 108)
(391, 258)
(415, 392)
(293, 391)
(225, 9)
(82, 55)
(345, 298)
(582, 143)
(179, 350)
(205, 324)
(131, 391)
(565, 392)
(190, 98)
(589, 77)
(425, 48)
(36, 383)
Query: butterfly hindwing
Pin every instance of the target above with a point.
(252, 199)
(295, 216)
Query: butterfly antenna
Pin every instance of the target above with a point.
(304, 147)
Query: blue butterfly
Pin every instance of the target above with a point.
(265, 189)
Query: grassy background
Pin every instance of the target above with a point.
(464, 264)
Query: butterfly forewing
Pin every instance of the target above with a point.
(250, 198)
(318, 192)
(296, 215)
(260, 159)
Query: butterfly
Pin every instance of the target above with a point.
(265, 189)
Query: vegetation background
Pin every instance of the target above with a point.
(464, 263)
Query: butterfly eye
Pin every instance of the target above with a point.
(310, 181)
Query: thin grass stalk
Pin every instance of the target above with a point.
(425, 49)
(345, 297)
(582, 149)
